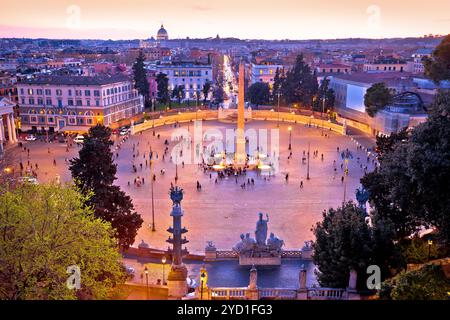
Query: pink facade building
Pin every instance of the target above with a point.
(75, 103)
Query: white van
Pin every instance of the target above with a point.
(79, 139)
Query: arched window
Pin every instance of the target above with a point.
(89, 114)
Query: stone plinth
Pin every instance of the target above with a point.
(259, 261)
(176, 282)
(211, 255)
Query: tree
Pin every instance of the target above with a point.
(277, 83)
(95, 171)
(45, 229)
(300, 84)
(140, 77)
(178, 93)
(259, 93)
(218, 94)
(376, 98)
(324, 94)
(162, 82)
(427, 283)
(437, 67)
(343, 242)
(411, 185)
(205, 90)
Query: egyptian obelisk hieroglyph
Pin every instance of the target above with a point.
(241, 155)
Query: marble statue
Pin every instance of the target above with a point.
(240, 245)
(274, 243)
(261, 230)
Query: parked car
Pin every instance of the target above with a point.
(124, 132)
(30, 180)
(115, 131)
(62, 139)
(130, 271)
(30, 137)
(79, 139)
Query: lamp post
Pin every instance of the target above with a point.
(307, 173)
(163, 260)
(153, 117)
(323, 111)
(345, 180)
(430, 243)
(202, 276)
(146, 278)
(278, 122)
(151, 187)
(290, 138)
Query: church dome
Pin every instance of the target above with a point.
(162, 34)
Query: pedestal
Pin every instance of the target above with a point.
(176, 282)
(259, 261)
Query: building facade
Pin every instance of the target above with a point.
(189, 75)
(7, 124)
(263, 73)
(351, 89)
(75, 103)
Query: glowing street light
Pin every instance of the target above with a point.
(290, 137)
(146, 278)
(163, 260)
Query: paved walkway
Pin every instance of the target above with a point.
(221, 212)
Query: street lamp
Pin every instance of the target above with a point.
(307, 173)
(430, 243)
(163, 260)
(151, 185)
(290, 138)
(278, 122)
(323, 111)
(203, 275)
(146, 278)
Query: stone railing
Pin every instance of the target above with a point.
(275, 293)
(297, 118)
(228, 293)
(212, 254)
(292, 254)
(278, 294)
(226, 254)
(326, 294)
(167, 119)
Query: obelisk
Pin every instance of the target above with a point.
(241, 155)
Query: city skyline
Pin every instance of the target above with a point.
(285, 19)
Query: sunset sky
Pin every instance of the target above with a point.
(246, 19)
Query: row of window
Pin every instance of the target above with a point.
(116, 90)
(185, 73)
(51, 120)
(49, 102)
(59, 92)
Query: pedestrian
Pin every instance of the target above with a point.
(301, 184)
(54, 162)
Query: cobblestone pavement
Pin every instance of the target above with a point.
(221, 212)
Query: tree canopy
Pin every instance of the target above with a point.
(300, 84)
(324, 94)
(377, 97)
(140, 77)
(45, 229)
(259, 93)
(438, 66)
(411, 185)
(162, 83)
(95, 171)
